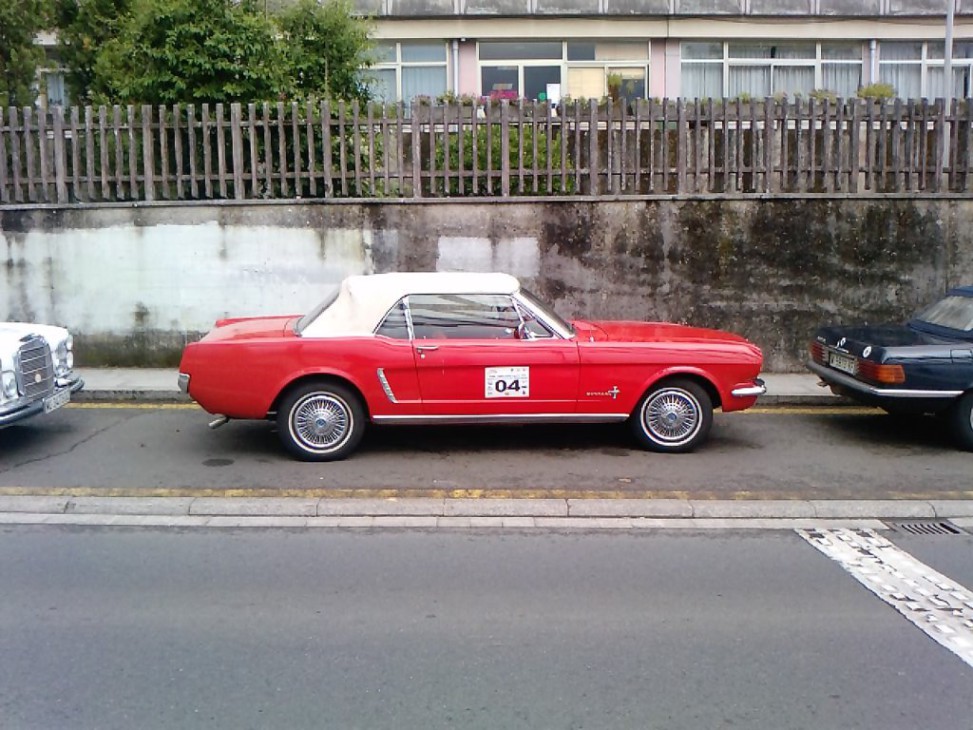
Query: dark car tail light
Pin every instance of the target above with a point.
(817, 352)
(881, 374)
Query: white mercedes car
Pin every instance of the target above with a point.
(36, 370)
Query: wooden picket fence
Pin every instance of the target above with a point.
(501, 150)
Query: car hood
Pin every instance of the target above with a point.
(252, 328)
(621, 331)
(11, 333)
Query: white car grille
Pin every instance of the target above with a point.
(36, 368)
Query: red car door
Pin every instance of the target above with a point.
(474, 357)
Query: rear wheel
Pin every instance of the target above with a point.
(960, 418)
(321, 421)
(673, 417)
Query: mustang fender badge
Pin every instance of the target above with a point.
(613, 392)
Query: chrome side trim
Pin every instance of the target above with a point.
(758, 388)
(833, 376)
(385, 385)
(501, 418)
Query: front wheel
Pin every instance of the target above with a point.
(321, 421)
(673, 417)
(960, 418)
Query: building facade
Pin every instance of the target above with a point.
(557, 49)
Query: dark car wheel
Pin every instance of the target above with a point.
(960, 418)
(321, 421)
(673, 417)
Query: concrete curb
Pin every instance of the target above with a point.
(474, 513)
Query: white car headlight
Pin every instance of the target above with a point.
(8, 384)
(65, 356)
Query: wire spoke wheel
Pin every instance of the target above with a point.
(321, 421)
(674, 417)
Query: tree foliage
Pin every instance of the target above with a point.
(194, 51)
(172, 51)
(20, 56)
(325, 47)
(84, 27)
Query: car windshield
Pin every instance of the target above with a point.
(538, 307)
(953, 311)
(316, 312)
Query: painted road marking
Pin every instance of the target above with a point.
(939, 606)
(140, 406)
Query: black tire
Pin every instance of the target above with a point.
(960, 419)
(673, 417)
(321, 421)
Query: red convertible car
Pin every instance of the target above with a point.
(422, 348)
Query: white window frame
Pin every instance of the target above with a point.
(925, 63)
(607, 66)
(397, 65)
(727, 63)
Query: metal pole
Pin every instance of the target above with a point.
(948, 74)
(948, 65)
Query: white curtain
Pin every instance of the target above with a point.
(793, 80)
(844, 79)
(382, 84)
(905, 78)
(702, 81)
(423, 81)
(751, 80)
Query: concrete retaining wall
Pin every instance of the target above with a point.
(134, 284)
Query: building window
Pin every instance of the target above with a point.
(405, 70)
(53, 88)
(916, 70)
(766, 68)
(578, 69)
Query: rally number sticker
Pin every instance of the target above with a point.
(507, 382)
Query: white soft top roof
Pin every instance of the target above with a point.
(363, 301)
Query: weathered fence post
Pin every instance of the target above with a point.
(236, 143)
(148, 154)
(60, 159)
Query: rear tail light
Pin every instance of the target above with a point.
(817, 352)
(881, 374)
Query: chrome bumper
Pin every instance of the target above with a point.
(36, 407)
(750, 391)
(834, 377)
(184, 382)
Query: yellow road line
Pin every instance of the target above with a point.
(107, 406)
(480, 494)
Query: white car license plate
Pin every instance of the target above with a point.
(57, 400)
(845, 363)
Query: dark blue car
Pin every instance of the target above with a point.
(923, 366)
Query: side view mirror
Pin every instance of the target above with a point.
(523, 333)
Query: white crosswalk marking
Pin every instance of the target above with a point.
(936, 604)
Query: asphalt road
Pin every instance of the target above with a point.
(106, 629)
(772, 453)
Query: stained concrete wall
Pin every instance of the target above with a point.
(134, 284)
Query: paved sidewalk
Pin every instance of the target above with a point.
(447, 513)
(159, 384)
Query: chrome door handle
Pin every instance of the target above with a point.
(423, 349)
